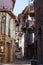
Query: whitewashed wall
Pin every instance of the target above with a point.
(12, 28)
(21, 44)
(7, 23)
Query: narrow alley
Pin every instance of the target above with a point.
(21, 33)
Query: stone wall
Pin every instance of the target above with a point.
(38, 4)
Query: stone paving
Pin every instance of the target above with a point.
(15, 64)
(19, 62)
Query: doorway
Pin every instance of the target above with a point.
(7, 52)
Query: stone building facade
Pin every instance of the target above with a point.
(7, 35)
(7, 31)
(38, 5)
(27, 19)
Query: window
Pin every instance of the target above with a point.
(32, 37)
(27, 23)
(17, 29)
(3, 24)
(9, 28)
(2, 47)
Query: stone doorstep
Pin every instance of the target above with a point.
(40, 64)
(16, 64)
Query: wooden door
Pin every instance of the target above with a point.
(7, 52)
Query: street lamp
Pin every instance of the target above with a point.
(30, 2)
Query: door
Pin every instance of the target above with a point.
(7, 52)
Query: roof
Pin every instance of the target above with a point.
(9, 12)
(26, 11)
(14, 2)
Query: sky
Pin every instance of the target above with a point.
(20, 6)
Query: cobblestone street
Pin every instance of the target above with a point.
(18, 62)
(21, 32)
(15, 64)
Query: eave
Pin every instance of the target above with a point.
(9, 12)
